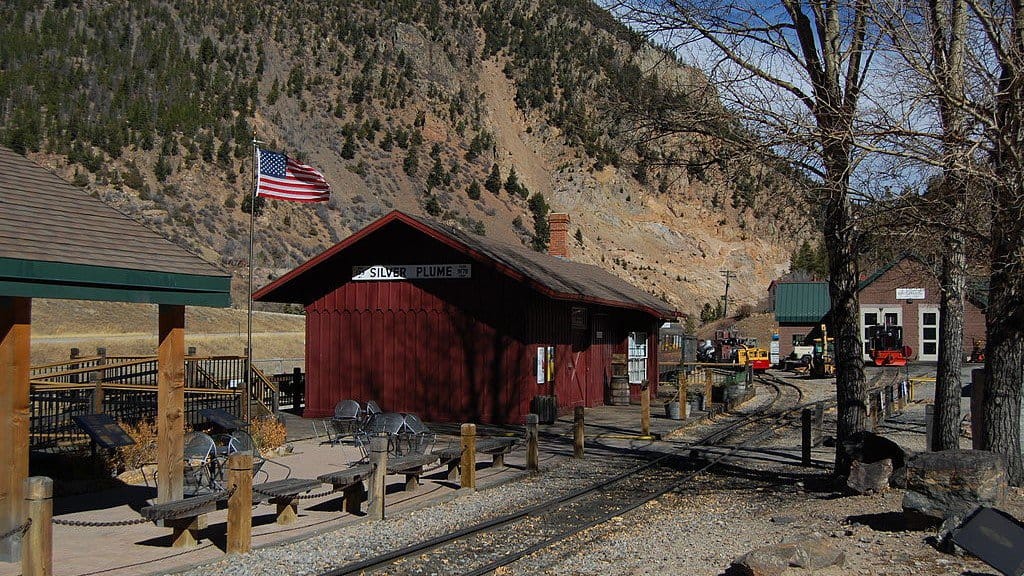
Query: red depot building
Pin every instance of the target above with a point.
(457, 327)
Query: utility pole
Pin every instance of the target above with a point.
(729, 275)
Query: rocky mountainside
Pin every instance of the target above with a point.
(482, 113)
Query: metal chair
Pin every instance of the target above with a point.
(371, 409)
(241, 441)
(406, 432)
(346, 421)
(202, 466)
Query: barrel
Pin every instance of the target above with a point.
(618, 391)
(672, 411)
(546, 408)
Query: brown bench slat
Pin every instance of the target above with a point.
(183, 508)
(283, 489)
(486, 446)
(346, 476)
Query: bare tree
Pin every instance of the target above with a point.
(928, 40)
(972, 72)
(792, 72)
(1003, 24)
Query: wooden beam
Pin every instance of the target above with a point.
(171, 404)
(15, 331)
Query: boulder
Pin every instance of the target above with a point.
(869, 448)
(809, 552)
(946, 486)
(869, 478)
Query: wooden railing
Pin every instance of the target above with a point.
(53, 405)
(126, 388)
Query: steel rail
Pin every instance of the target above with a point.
(546, 506)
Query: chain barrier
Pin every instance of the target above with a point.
(90, 524)
(17, 530)
(222, 495)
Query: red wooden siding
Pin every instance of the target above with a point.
(449, 350)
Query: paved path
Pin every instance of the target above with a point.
(144, 548)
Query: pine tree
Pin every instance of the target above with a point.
(541, 228)
(348, 150)
(162, 169)
(512, 182)
(493, 182)
(474, 190)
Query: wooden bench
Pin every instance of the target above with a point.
(496, 447)
(284, 493)
(184, 517)
(412, 466)
(350, 480)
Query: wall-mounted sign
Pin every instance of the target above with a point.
(910, 293)
(380, 272)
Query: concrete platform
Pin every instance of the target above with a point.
(145, 548)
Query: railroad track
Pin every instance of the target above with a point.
(487, 546)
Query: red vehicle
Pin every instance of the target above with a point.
(885, 346)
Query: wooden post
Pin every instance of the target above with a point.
(468, 464)
(298, 390)
(15, 333)
(929, 426)
(37, 552)
(708, 385)
(240, 502)
(75, 354)
(379, 461)
(645, 409)
(97, 391)
(806, 418)
(819, 421)
(532, 436)
(577, 432)
(171, 404)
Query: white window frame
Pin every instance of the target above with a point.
(637, 357)
(921, 311)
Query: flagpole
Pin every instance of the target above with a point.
(246, 396)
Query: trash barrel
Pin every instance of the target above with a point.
(618, 391)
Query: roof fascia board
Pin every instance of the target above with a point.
(65, 291)
(12, 269)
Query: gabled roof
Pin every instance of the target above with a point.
(801, 302)
(57, 241)
(554, 277)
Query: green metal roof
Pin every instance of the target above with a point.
(801, 302)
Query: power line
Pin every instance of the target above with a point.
(729, 275)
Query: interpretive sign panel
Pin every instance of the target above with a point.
(102, 429)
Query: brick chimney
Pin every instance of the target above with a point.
(559, 245)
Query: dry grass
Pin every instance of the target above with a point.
(131, 329)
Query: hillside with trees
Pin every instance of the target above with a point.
(486, 114)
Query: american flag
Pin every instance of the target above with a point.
(282, 178)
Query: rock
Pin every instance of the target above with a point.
(808, 552)
(869, 448)
(870, 478)
(948, 485)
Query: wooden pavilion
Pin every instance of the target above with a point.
(57, 241)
